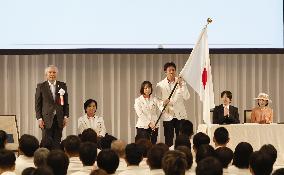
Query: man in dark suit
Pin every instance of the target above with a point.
(226, 113)
(52, 108)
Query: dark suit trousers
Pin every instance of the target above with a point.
(148, 133)
(51, 137)
(169, 128)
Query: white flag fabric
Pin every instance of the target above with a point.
(197, 73)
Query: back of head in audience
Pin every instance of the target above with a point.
(105, 142)
(279, 171)
(224, 155)
(188, 154)
(133, 154)
(260, 163)
(200, 139)
(43, 171)
(204, 151)
(3, 139)
(29, 171)
(119, 147)
(145, 144)
(164, 146)
(72, 145)
(209, 166)
(40, 156)
(58, 161)
(89, 135)
(182, 140)
(221, 136)
(174, 163)
(155, 156)
(28, 144)
(7, 160)
(108, 160)
(270, 150)
(99, 172)
(186, 128)
(88, 153)
(242, 154)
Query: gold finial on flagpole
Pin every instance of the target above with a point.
(209, 20)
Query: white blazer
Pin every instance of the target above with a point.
(96, 123)
(146, 110)
(175, 108)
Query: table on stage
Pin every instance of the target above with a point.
(255, 134)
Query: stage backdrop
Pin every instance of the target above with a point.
(114, 81)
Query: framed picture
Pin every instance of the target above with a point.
(8, 123)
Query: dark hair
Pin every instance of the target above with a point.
(133, 154)
(108, 160)
(221, 135)
(145, 144)
(58, 161)
(261, 163)
(174, 163)
(43, 171)
(99, 172)
(224, 155)
(169, 64)
(7, 159)
(199, 139)
(228, 93)
(241, 155)
(279, 171)
(28, 144)
(88, 102)
(72, 144)
(204, 151)
(143, 86)
(270, 150)
(105, 142)
(186, 128)
(209, 166)
(188, 154)
(265, 104)
(28, 171)
(182, 140)
(155, 156)
(3, 139)
(88, 153)
(40, 156)
(164, 146)
(89, 135)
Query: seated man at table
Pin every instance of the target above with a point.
(226, 113)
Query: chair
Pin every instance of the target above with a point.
(247, 114)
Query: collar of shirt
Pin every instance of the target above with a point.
(226, 106)
(54, 83)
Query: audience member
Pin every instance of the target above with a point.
(71, 148)
(221, 137)
(58, 161)
(270, 150)
(182, 140)
(119, 147)
(204, 151)
(105, 142)
(108, 160)
(3, 139)
(174, 163)
(209, 166)
(260, 163)
(186, 128)
(7, 162)
(89, 135)
(154, 159)
(188, 154)
(200, 139)
(40, 156)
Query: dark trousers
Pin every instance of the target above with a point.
(51, 137)
(148, 133)
(169, 128)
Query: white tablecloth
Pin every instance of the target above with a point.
(255, 134)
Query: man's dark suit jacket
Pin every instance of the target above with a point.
(219, 118)
(45, 105)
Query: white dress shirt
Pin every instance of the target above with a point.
(85, 170)
(75, 165)
(23, 162)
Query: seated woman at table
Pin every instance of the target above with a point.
(226, 113)
(262, 113)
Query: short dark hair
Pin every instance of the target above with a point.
(89, 135)
(58, 161)
(28, 171)
(133, 154)
(169, 64)
(186, 128)
(270, 150)
(88, 102)
(242, 154)
(204, 151)
(99, 172)
(144, 83)
(7, 159)
(261, 163)
(43, 171)
(155, 156)
(200, 139)
(182, 140)
(228, 93)
(105, 142)
(221, 135)
(174, 162)
(209, 166)
(3, 139)
(224, 155)
(279, 171)
(108, 160)
(28, 144)
(145, 144)
(72, 144)
(88, 153)
(188, 154)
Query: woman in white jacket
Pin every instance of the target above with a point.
(146, 109)
(91, 120)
